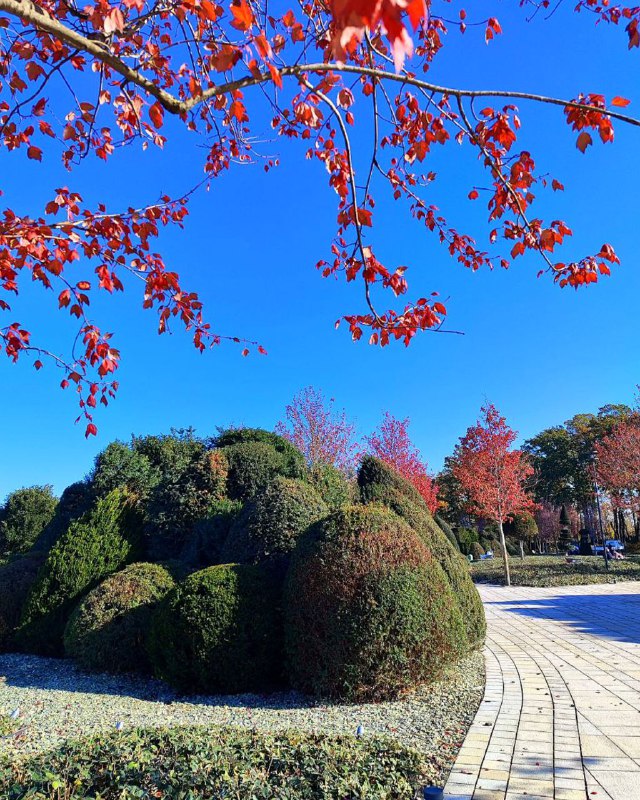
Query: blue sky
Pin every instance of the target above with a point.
(539, 353)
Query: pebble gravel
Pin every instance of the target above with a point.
(56, 701)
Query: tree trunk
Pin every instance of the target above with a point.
(505, 555)
(520, 542)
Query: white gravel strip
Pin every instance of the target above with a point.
(57, 701)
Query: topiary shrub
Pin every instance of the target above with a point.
(466, 538)
(181, 500)
(477, 550)
(252, 467)
(269, 526)
(447, 530)
(75, 501)
(220, 631)
(332, 485)
(109, 628)
(16, 579)
(378, 482)
(203, 546)
(369, 612)
(23, 517)
(119, 466)
(105, 539)
(292, 460)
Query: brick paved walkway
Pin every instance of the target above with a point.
(561, 713)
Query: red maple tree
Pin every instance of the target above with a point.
(323, 434)
(391, 444)
(491, 473)
(618, 463)
(80, 80)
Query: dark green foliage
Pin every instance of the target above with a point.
(119, 466)
(522, 527)
(16, 579)
(466, 538)
(379, 483)
(204, 544)
(369, 612)
(477, 550)
(271, 523)
(332, 485)
(75, 501)
(109, 628)
(207, 763)
(23, 517)
(252, 467)
(292, 460)
(101, 542)
(446, 529)
(182, 499)
(564, 517)
(220, 631)
(585, 543)
(170, 453)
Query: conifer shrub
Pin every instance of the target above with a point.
(447, 530)
(252, 467)
(220, 630)
(292, 460)
(203, 546)
(477, 550)
(332, 485)
(101, 542)
(23, 516)
(108, 630)
(269, 526)
(17, 577)
(75, 501)
(379, 483)
(369, 611)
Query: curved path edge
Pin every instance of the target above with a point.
(560, 717)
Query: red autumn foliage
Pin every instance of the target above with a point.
(391, 444)
(80, 81)
(618, 463)
(321, 433)
(493, 475)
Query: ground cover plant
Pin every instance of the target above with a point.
(208, 763)
(555, 571)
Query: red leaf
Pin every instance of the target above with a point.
(156, 114)
(91, 430)
(584, 140)
(242, 16)
(621, 102)
(473, 195)
(209, 10)
(35, 153)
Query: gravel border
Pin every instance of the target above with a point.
(57, 701)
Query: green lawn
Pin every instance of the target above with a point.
(554, 571)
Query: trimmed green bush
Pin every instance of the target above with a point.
(100, 543)
(447, 530)
(23, 517)
(220, 631)
(119, 466)
(379, 483)
(109, 629)
(252, 467)
(292, 459)
(204, 544)
(477, 550)
(205, 763)
(271, 523)
(332, 485)
(369, 612)
(75, 501)
(467, 537)
(181, 500)
(16, 579)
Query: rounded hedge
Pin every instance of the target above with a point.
(369, 612)
(204, 544)
(447, 530)
(379, 483)
(75, 501)
(16, 579)
(292, 460)
(23, 516)
(252, 467)
(270, 524)
(101, 542)
(477, 550)
(220, 631)
(332, 485)
(109, 629)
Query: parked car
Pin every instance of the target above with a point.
(615, 544)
